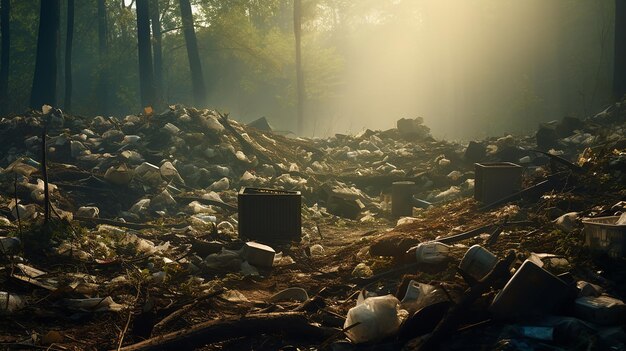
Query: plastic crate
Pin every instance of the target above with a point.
(604, 235)
(269, 215)
(496, 180)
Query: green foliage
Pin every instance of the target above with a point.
(247, 53)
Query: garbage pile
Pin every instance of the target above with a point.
(187, 228)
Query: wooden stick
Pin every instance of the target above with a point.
(44, 172)
(130, 225)
(291, 323)
(17, 209)
(182, 311)
(130, 314)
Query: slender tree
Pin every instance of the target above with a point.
(44, 81)
(297, 30)
(146, 79)
(69, 37)
(103, 51)
(619, 69)
(5, 30)
(157, 50)
(197, 79)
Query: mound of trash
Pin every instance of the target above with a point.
(188, 228)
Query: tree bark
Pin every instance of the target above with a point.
(197, 79)
(44, 81)
(157, 51)
(103, 89)
(619, 69)
(5, 12)
(69, 37)
(146, 77)
(297, 30)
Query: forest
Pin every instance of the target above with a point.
(300, 175)
(487, 67)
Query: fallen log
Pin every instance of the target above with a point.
(292, 324)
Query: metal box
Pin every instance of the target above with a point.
(497, 180)
(269, 215)
(604, 235)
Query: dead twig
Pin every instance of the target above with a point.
(184, 310)
(44, 172)
(130, 314)
(17, 209)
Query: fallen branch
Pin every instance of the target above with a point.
(291, 323)
(184, 310)
(474, 232)
(130, 225)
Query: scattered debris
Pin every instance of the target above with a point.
(188, 227)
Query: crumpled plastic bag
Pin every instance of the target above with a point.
(378, 317)
(226, 259)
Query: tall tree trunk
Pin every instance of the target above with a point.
(5, 12)
(69, 37)
(619, 69)
(103, 51)
(197, 79)
(44, 80)
(297, 30)
(157, 51)
(146, 79)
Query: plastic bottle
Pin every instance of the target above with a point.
(432, 252)
(478, 262)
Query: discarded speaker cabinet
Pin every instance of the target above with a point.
(496, 180)
(603, 234)
(269, 215)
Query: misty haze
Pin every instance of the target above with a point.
(303, 175)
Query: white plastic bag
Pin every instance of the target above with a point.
(377, 317)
